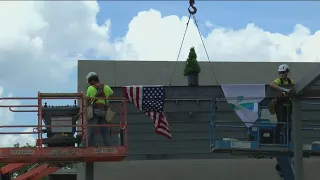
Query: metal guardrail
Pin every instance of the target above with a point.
(253, 146)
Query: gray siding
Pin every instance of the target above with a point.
(189, 123)
(241, 169)
(190, 132)
(310, 114)
(189, 120)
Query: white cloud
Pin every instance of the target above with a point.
(10, 139)
(7, 118)
(40, 43)
(43, 40)
(161, 41)
(208, 24)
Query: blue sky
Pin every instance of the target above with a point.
(272, 16)
(276, 17)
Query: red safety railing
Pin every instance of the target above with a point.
(38, 129)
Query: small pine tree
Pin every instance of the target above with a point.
(192, 66)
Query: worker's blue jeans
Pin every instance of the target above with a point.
(103, 131)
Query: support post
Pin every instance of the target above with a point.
(297, 138)
(89, 172)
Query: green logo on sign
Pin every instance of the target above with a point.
(240, 98)
(239, 105)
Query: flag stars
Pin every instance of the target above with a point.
(153, 99)
(152, 105)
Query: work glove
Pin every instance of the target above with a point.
(286, 90)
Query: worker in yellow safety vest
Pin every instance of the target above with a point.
(283, 105)
(98, 107)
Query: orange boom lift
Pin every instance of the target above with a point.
(59, 148)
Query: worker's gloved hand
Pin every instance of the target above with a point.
(286, 90)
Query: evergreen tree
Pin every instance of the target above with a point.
(192, 66)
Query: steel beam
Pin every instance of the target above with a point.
(297, 138)
(89, 171)
(302, 86)
(198, 92)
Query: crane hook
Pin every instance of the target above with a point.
(191, 4)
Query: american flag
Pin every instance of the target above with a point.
(150, 100)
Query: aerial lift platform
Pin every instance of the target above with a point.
(61, 125)
(260, 142)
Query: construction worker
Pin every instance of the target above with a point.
(99, 107)
(282, 105)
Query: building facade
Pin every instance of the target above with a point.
(187, 155)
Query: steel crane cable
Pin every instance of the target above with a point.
(192, 14)
(205, 49)
(175, 65)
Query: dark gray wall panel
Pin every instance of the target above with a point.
(311, 115)
(189, 121)
(205, 169)
(181, 106)
(172, 117)
(195, 149)
(180, 135)
(189, 124)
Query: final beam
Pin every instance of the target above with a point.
(198, 92)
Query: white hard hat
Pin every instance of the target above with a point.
(90, 74)
(283, 67)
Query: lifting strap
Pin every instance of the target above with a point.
(100, 93)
